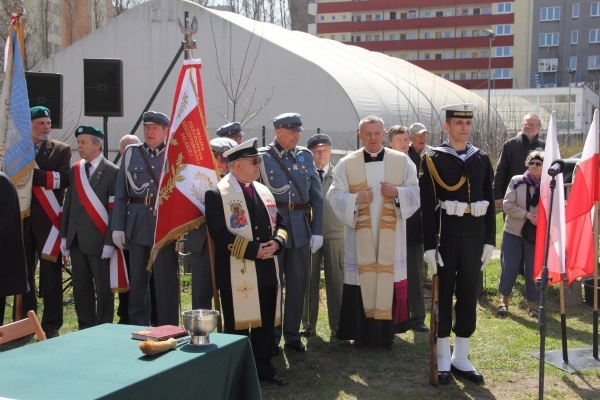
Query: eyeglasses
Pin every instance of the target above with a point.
(536, 163)
(254, 160)
(530, 125)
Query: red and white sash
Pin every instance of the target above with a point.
(47, 199)
(119, 281)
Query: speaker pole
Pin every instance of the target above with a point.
(105, 118)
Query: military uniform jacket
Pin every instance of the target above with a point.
(76, 222)
(53, 156)
(512, 161)
(450, 167)
(261, 227)
(301, 166)
(137, 220)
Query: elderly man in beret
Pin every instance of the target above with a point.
(332, 252)
(50, 179)
(231, 131)
(85, 237)
(202, 292)
(289, 172)
(456, 193)
(134, 223)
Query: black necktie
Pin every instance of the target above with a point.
(321, 172)
(87, 169)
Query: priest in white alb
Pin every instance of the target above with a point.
(374, 191)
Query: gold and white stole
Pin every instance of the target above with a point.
(375, 271)
(244, 285)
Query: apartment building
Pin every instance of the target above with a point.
(451, 38)
(565, 44)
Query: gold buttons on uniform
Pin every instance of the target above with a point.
(257, 238)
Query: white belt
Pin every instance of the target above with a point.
(459, 208)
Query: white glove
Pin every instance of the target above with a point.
(118, 238)
(460, 208)
(450, 207)
(107, 251)
(486, 255)
(63, 247)
(316, 242)
(479, 208)
(429, 258)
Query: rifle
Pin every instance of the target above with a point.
(434, 317)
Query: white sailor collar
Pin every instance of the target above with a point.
(470, 151)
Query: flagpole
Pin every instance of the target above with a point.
(595, 319)
(563, 322)
(543, 286)
(211, 258)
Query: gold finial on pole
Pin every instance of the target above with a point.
(188, 30)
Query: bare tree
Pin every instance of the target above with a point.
(242, 104)
(98, 9)
(272, 11)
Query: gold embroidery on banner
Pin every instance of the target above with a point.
(176, 176)
(204, 183)
(182, 105)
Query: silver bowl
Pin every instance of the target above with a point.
(199, 324)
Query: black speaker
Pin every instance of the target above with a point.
(46, 89)
(103, 87)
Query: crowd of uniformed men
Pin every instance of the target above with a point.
(279, 215)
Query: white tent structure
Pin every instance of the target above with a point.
(251, 72)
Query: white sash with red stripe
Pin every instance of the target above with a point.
(119, 281)
(47, 199)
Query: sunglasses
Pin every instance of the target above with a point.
(254, 160)
(536, 163)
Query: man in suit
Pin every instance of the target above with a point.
(202, 292)
(50, 178)
(134, 223)
(332, 252)
(84, 229)
(289, 172)
(248, 233)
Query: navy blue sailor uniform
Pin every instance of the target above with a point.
(134, 213)
(294, 203)
(462, 237)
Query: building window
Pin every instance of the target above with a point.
(502, 73)
(593, 62)
(369, 17)
(476, 11)
(438, 56)
(505, 8)
(503, 51)
(439, 14)
(332, 37)
(447, 35)
(464, 11)
(548, 65)
(573, 63)
(446, 75)
(427, 56)
(594, 35)
(403, 36)
(548, 39)
(377, 38)
(377, 17)
(486, 10)
(321, 18)
(403, 15)
(474, 75)
(574, 37)
(393, 15)
(427, 35)
(595, 9)
(358, 38)
(502, 30)
(412, 36)
(448, 13)
(463, 76)
(333, 17)
(575, 12)
(428, 14)
(358, 18)
(448, 55)
(550, 14)
(484, 74)
(463, 34)
(438, 35)
(484, 54)
(392, 36)
(474, 54)
(463, 54)
(412, 14)
(344, 17)
(343, 37)
(368, 38)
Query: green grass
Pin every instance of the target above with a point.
(500, 349)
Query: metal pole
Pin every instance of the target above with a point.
(570, 72)
(490, 34)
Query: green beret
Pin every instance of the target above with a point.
(39, 112)
(89, 130)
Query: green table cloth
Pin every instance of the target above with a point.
(104, 362)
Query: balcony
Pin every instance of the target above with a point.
(475, 84)
(464, 63)
(380, 5)
(384, 46)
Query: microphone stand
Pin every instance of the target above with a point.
(543, 285)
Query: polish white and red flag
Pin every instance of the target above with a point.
(556, 240)
(190, 168)
(581, 208)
